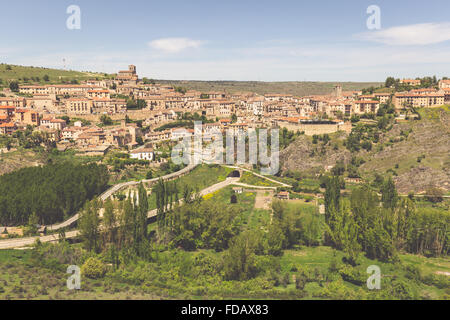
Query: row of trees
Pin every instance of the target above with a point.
(51, 192)
(14, 85)
(124, 226)
(382, 227)
(425, 82)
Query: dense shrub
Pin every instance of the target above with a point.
(93, 268)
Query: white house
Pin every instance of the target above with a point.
(178, 133)
(142, 154)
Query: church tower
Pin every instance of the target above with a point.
(337, 92)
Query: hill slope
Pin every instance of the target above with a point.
(10, 72)
(291, 87)
(418, 160)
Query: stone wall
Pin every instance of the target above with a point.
(316, 128)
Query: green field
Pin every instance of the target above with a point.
(253, 180)
(177, 274)
(251, 218)
(21, 73)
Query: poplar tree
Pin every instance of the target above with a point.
(89, 225)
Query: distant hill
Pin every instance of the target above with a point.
(302, 88)
(31, 75)
(9, 72)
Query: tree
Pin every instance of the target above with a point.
(138, 104)
(389, 195)
(142, 212)
(240, 259)
(354, 118)
(367, 145)
(109, 221)
(332, 197)
(434, 195)
(338, 169)
(46, 78)
(33, 223)
(89, 225)
(390, 82)
(289, 222)
(128, 231)
(275, 239)
(65, 118)
(202, 224)
(106, 120)
(14, 86)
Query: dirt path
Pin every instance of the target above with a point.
(263, 199)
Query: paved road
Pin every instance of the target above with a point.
(108, 193)
(254, 187)
(23, 242)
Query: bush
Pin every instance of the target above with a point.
(352, 275)
(402, 290)
(93, 268)
(434, 195)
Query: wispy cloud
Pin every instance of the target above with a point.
(414, 34)
(174, 45)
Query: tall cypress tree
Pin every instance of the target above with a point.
(389, 195)
(143, 211)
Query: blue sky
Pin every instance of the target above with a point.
(233, 40)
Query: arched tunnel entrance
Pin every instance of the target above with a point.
(234, 174)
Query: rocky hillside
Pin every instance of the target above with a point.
(416, 152)
(304, 155)
(17, 159)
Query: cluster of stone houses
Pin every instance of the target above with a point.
(422, 98)
(72, 99)
(43, 105)
(100, 97)
(91, 137)
(13, 118)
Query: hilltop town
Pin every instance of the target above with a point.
(133, 111)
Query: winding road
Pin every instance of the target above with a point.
(108, 193)
(27, 241)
